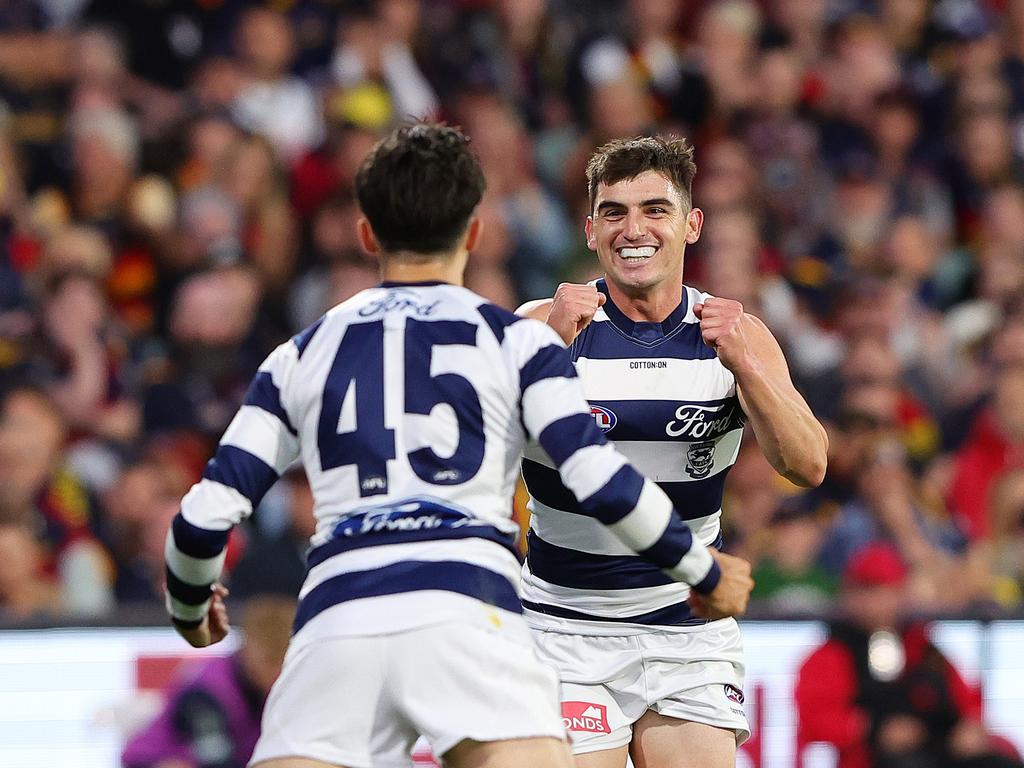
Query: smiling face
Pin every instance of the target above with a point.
(639, 228)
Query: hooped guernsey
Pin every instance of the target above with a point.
(662, 396)
(409, 406)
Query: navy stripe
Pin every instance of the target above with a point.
(605, 341)
(709, 582)
(675, 615)
(616, 498)
(550, 362)
(670, 547)
(185, 623)
(241, 470)
(345, 544)
(303, 338)
(692, 500)
(582, 570)
(673, 420)
(562, 438)
(497, 319)
(201, 543)
(264, 393)
(190, 594)
(412, 576)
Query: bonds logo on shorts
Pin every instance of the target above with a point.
(584, 716)
(605, 419)
(734, 694)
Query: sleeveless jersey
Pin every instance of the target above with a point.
(661, 395)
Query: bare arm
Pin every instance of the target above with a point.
(792, 439)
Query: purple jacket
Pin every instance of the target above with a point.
(211, 720)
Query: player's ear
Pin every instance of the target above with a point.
(367, 239)
(694, 222)
(473, 231)
(589, 229)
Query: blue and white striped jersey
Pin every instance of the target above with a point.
(409, 406)
(662, 396)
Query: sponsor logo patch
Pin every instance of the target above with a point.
(734, 694)
(585, 717)
(604, 418)
(702, 422)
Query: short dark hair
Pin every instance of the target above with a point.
(628, 158)
(419, 186)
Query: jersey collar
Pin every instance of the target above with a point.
(642, 331)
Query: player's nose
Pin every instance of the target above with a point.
(634, 226)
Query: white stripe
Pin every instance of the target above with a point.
(609, 603)
(214, 506)
(480, 552)
(549, 400)
(571, 531)
(192, 570)
(525, 338)
(642, 527)
(666, 462)
(180, 610)
(264, 435)
(589, 469)
(693, 566)
(685, 380)
(585, 534)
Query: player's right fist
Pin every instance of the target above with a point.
(573, 308)
(730, 596)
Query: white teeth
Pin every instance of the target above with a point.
(637, 253)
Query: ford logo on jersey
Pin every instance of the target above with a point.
(605, 419)
(702, 422)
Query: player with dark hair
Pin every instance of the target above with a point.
(409, 405)
(672, 375)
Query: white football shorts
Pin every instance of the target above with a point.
(361, 701)
(694, 674)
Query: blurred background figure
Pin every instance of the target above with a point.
(212, 716)
(879, 691)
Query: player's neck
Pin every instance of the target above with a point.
(445, 269)
(650, 305)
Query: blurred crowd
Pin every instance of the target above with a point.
(176, 199)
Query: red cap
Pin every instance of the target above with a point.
(875, 565)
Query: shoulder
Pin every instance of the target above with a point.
(538, 309)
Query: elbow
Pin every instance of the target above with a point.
(809, 470)
(809, 475)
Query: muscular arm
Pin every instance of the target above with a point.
(793, 441)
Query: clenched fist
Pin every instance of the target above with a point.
(727, 329)
(572, 309)
(730, 596)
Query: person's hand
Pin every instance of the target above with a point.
(730, 596)
(727, 329)
(901, 733)
(215, 625)
(572, 309)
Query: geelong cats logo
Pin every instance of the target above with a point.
(700, 457)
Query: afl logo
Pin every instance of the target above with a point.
(605, 419)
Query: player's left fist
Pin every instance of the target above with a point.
(725, 328)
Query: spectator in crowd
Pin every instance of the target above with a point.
(212, 717)
(880, 691)
(39, 494)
